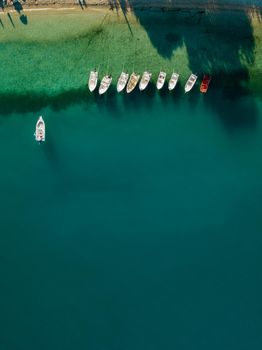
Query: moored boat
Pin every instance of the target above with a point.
(132, 82)
(122, 81)
(144, 80)
(161, 80)
(190, 82)
(173, 81)
(40, 130)
(205, 83)
(92, 82)
(105, 83)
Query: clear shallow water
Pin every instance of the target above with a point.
(136, 225)
(54, 53)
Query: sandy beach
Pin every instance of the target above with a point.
(145, 4)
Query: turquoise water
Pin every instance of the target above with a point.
(136, 225)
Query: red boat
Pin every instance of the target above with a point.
(205, 83)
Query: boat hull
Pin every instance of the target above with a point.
(190, 82)
(205, 83)
(161, 80)
(173, 81)
(132, 83)
(122, 81)
(92, 83)
(144, 81)
(40, 130)
(92, 87)
(105, 83)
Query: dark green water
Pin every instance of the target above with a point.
(137, 225)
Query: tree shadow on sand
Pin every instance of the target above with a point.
(122, 6)
(82, 4)
(217, 41)
(10, 19)
(19, 9)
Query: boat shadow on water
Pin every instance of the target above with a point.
(139, 99)
(50, 152)
(107, 101)
(227, 98)
(232, 101)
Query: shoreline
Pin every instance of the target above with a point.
(75, 41)
(161, 5)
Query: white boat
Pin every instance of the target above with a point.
(105, 83)
(144, 80)
(92, 83)
(161, 80)
(173, 81)
(190, 82)
(132, 82)
(121, 84)
(40, 130)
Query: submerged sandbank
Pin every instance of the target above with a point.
(55, 50)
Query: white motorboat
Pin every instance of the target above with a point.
(144, 80)
(161, 80)
(105, 83)
(40, 130)
(190, 82)
(93, 77)
(132, 82)
(173, 81)
(121, 84)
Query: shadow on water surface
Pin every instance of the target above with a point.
(50, 152)
(235, 109)
(23, 19)
(18, 6)
(217, 41)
